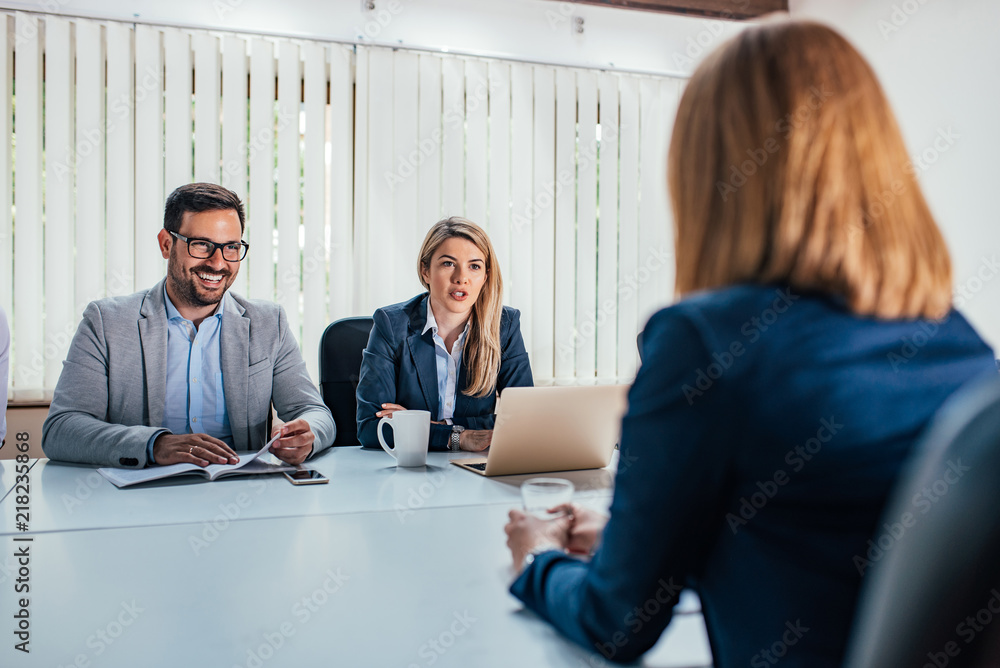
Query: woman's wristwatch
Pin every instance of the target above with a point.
(456, 437)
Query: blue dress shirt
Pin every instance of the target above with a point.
(195, 398)
(448, 363)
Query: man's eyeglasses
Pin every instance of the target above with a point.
(203, 249)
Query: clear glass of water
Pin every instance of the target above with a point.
(540, 494)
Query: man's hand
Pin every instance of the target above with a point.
(527, 532)
(296, 442)
(200, 449)
(475, 440)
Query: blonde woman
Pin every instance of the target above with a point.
(779, 398)
(449, 350)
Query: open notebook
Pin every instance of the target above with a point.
(248, 464)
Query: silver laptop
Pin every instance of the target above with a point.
(543, 429)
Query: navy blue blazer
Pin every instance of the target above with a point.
(764, 431)
(399, 367)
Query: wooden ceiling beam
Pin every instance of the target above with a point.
(736, 10)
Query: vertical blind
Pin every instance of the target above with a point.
(345, 156)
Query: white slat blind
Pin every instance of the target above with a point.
(453, 140)
(344, 157)
(520, 272)
(289, 185)
(498, 224)
(90, 146)
(607, 228)
(235, 92)
(628, 226)
(477, 156)
(379, 196)
(361, 179)
(543, 224)
(405, 133)
(564, 300)
(177, 108)
(655, 274)
(427, 159)
(26, 325)
(259, 265)
(340, 158)
(207, 75)
(149, 167)
(118, 122)
(555, 163)
(7, 40)
(60, 310)
(314, 222)
(583, 343)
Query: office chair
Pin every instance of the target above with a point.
(339, 372)
(935, 558)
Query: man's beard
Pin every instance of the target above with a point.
(187, 289)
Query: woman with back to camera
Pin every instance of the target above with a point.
(805, 285)
(449, 350)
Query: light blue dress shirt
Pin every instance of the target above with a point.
(196, 398)
(447, 362)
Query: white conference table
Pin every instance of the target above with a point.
(380, 567)
(67, 497)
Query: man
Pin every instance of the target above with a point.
(184, 371)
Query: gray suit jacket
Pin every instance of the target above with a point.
(111, 393)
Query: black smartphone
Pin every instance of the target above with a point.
(306, 477)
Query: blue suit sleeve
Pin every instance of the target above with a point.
(377, 382)
(515, 369)
(440, 436)
(666, 511)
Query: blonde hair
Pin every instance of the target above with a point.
(786, 165)
(481, 352)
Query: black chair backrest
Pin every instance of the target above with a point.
(934, 581)
(340, 351)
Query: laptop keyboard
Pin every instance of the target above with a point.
(478, 467)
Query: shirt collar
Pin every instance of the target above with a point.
(432, 324)
(172, 311)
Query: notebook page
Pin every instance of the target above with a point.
(125, 477)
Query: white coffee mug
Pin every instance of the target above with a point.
(411, 431)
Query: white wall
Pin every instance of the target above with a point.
(938, 63)
(535, 30)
